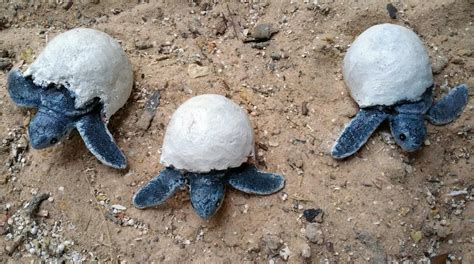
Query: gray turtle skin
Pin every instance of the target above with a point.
(57, 116)
(207, 190)
(407, 121)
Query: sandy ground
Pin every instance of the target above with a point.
(382, 205)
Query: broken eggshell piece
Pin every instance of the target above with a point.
(90, 64)
(385, 65)
(207, 132)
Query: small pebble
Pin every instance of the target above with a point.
(196, 71)
(310, 214)
(263, 32)
(5, 63)
(439, 63)
(392, 11)
(271, 243)
(60, 249)
(285, 253)
(275, 56)
(313, 233)
(306, 251)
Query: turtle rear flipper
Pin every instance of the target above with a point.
(357, 132)
(449, 107)
(249, 179)
(22, 90)
(158, 189)
(207, 192)
(99, 141)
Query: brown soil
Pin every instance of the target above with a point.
(381, 205)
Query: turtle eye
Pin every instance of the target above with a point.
(53, 141)
(402, 136)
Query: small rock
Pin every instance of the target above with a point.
(465, 53)
(313, 233)
(4, 179)
(143, 44)
(275, 56)
(304, 108)
(221, 25)
(149, 112)
(196, 71)
(4, 53)
(119, 207)
(306, 251)
(285, 252)
(272, 143)
(438, 259)
(4, 23)
(439, 63)
(458, 61)
(43, 213)
(67, 4)
(60, 249)
(263, 32)
(416, 236)
(442, 231)
(271, 243)
(313, 215)
(5, 63)
(392, 11)
(349, 110)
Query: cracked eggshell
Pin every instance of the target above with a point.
(89, 63)
(207, 132)
(385, 65)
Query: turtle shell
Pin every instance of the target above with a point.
(207, 132)
(90, 64)
(385, 65)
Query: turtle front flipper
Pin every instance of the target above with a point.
(99, 141)
(22, 90)
(449, 107)
(207, 192)
(249, 179)
(357, 132)
(158, 189)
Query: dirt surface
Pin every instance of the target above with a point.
(382, 205)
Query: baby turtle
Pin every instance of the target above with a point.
(81, 78)
(206, 146)
(388, 73)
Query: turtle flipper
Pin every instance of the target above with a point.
(249, 179)
(99, 141)
(22, 90)
(207, 192)
(449, 107)
(357, 132)
(158, 189)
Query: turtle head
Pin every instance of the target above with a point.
(409, 130)
(207, 193)
(47, 128)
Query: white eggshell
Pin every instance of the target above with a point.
(207, 132)
(387, 64)
(89, 63)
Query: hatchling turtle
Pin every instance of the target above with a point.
(206, 146)
(388, 73)
(80, 79)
